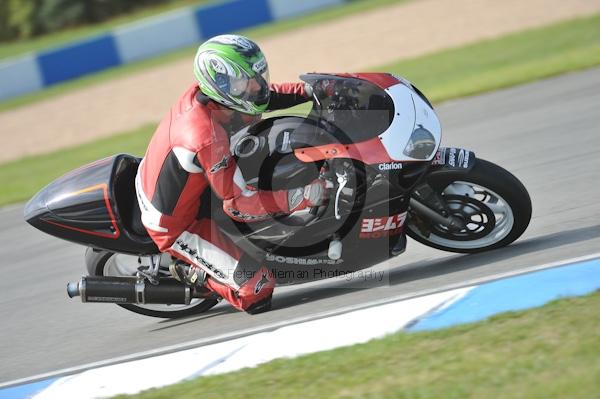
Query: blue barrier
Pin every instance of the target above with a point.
(158, 35)
(20, 76)
(232, 16)
(79, 59)
(143, 39)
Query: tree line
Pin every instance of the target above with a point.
(21, 19)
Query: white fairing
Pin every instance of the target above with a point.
(410, 112)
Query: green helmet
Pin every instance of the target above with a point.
(233, 71)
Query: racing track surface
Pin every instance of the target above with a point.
(546, 133)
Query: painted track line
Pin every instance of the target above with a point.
(289, 322)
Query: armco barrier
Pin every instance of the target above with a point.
(143, 39)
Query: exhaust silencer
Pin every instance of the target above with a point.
(129, 290)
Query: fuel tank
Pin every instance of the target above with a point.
(265, 152)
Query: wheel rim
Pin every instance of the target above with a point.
(121, 265)
(490, 215)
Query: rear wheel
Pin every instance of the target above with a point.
(493, 204)
(105, 263)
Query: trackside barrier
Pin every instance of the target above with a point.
(143, 39)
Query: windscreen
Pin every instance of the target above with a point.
(351, 109)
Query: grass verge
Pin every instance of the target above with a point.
(506, 61)
(354, 7)
(548, 352)
(23, 178)
(489, 65)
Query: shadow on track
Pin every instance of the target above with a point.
(409, 272)
(432, 268)
(172, 323)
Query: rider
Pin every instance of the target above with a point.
(190, 153)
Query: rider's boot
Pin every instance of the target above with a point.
(192, 276)
(254, 293)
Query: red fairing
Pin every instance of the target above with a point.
(369, 152)
(383, 80)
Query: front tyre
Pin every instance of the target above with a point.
(105, 263)
(493, 204)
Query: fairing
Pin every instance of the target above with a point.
(94, 206)
(383, 108)
(266, 149)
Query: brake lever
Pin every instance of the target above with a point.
(342, 179)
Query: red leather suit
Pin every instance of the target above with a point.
(189, 151)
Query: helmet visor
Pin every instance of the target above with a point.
(252, 89)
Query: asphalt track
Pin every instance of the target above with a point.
(546, 133)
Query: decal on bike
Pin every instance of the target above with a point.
(222, 164)
(390, 166)
(440, 157)
(382, 227)
(303, 261)
(263, 281)
(453, 157)
(463, 158)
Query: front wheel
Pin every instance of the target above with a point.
(493, 204)
(105, 263)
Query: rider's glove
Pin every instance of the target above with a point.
(320, 88)
(313, 194)
(316, 193)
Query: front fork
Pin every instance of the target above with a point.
(428, 204)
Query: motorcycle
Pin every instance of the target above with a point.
(375, 140)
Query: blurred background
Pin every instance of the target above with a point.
(23, 19)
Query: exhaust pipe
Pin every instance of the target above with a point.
(129, 290)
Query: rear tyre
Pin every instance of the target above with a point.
(105, 263)
(493, 203)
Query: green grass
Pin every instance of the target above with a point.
(55, 39)
(507, 61)
(548, 352)
(21, 179)
(354, 7)
(480, 67)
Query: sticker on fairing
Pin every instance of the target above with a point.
(384, 226)
(453, 157)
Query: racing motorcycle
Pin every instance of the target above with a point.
(375, 140)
